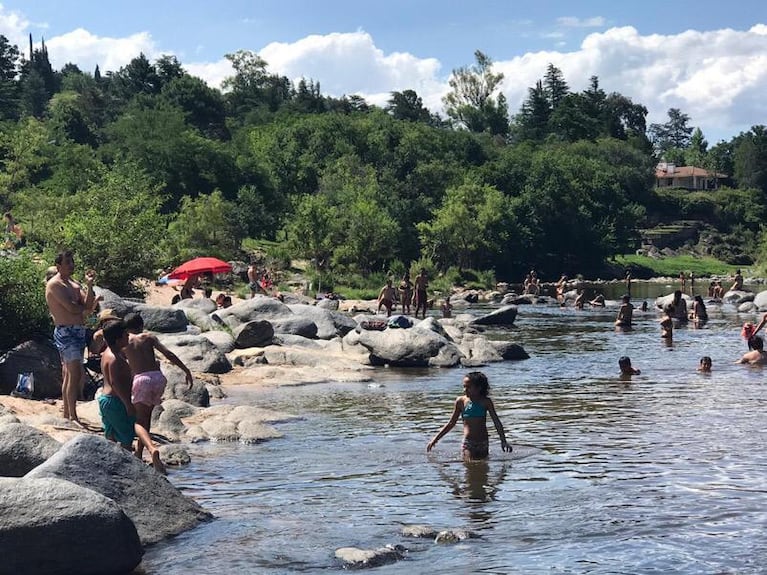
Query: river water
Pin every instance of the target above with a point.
(662, 474)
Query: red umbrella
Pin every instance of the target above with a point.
(199, 266)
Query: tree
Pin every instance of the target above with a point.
(311, 229)
(9, 89)
(472, 222)
(407, 105)
(471, 102)
(697, 152)
(750, 158)
(532, 122)
(203, 106)
(23, 312)
(674, 134)
(555, 86)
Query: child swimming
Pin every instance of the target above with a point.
(705, 364)
(625, 364)
(473, 408)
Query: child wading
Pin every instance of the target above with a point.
(473, 408)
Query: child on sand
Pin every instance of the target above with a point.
(705, 364)
(473, 408)
(148, 381)
(118, 415)
(625, 364)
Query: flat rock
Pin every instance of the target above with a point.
(361, 558)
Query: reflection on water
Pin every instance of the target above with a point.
(661, 474)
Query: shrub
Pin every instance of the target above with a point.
(23, 311)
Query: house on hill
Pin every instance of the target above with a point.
(689, 177)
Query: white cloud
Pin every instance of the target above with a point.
(15, 27)
(575, 22)
(86, 50)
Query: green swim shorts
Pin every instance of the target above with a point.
(118, 425)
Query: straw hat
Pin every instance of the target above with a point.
(106, 315)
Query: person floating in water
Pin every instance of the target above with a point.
(473, 408)
(625, 364)
(705, 364)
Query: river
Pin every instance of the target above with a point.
(662, 474)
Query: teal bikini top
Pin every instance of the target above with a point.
(472, 409)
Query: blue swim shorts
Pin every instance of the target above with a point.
(118, 425)
(70, 341)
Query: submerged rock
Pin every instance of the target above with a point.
(420, 531)
(453, 536)
(359, 558)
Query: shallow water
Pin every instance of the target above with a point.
(663, 474)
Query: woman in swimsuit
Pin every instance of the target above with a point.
(473, 408)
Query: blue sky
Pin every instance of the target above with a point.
(707, 57)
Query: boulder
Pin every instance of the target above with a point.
(453, 536)
(760, 300)
(200, 319)
(448, 356)
(331, 304)
(477, 350)
(259, 307)
(413, 347)
(51, 526)
(329, 323)
(433, 324)
(503, 316)
(22, 448)
(419, 531)
(664, 300)
(202, 304)
(223, 340)
(747, 307)
(514, 299)
(256, 333)
(357, 558)
(38, 357)
(110, 300)
(166, 418)
(510, 351)
(162, 319)
(737, 297)
(156, 507)
(177, 388)
(175, 455)
(197, 353)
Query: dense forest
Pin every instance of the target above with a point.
(145, 166)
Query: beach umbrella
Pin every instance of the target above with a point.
(199, 266)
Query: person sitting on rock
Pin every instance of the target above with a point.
(737, 284)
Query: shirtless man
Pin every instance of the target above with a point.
(625, 313)
(387, 297)
(68, 303)
(148, 381)
(118, 415)
(421, 297)
(253, 280)
(757, 355)
(737, 284)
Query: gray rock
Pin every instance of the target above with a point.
(51, 526)
(177, 388)
(361, 558)
(448, 356)
(202, 304)
(221, 339)
(510, 351)
(477, 349)
(22, 448)
(295, 326)
(329, 323)
(736, 297)
(40, 358)
(259, 307)
(331, 304)
(503, 316)
(663, 301)
(162, 319)
(166, 418)
(111, 300)
(433, 324)
(419, 531)
(156, 507)
(200, 319)
(747, 307)
(760, 300)
(453, 536)
(256, 333)
(413, 347)
(197, 353)
(514, 299)
(6, 418)
(175, 455)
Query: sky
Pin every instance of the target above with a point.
(706, 57)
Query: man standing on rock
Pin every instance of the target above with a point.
(421, 297)
(68, 304)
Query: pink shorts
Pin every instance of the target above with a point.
(148, 387)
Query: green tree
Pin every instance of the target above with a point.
(23, 312)
(674, 134)
(471, 101)
(471, 224)
(532, 122)
(311, 229)
(9, 88)
(407, 105)
(750, 158)
(555, 86)
(697, 152)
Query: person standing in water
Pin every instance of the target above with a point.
(625, 314)
(473, 407)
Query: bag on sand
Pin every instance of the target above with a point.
(25, 385)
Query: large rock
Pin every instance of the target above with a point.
(51, 526)
(760, 300)
(514, 299)
(663, 301)
(156, 507)
(331, 304)
(202, 304)
(22, 448)
(503, 316)
(356, 558)
(162, 319)
(477, 349)
(281, 317)
(737, 297)
(413, 347)
(329, 323)
(42, 359)
(110, 300)
(223, 340)
(510, 351)
(177, 388)
(197, 352)
(256, 333)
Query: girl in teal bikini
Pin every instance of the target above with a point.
(473, 408)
